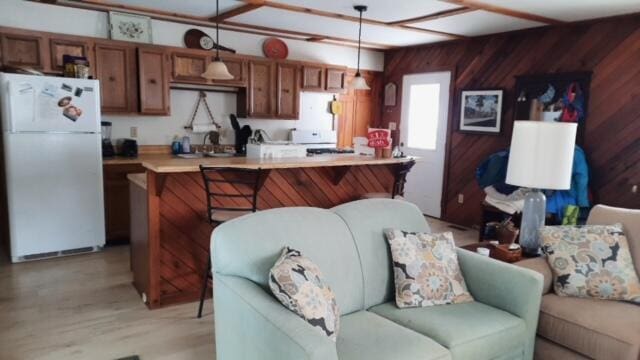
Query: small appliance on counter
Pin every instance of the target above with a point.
(314, 138)
(275, 150)
(242, 135)
(128, 148)
(107, 146)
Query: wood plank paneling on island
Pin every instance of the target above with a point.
(608, 48)
(184, 232)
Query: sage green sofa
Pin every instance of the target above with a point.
(348, 245)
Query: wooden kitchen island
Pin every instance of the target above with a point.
(170, 244)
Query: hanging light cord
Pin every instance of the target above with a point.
(217, 30)
(359, 37)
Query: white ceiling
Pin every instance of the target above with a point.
(477, 23)
(381, 10)
(473, 23)
(343, 29)
(571, 10)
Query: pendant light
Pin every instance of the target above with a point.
(358, 82)
(217, 70)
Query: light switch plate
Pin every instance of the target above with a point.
(460, 198)
(392, 126)
(133, 131)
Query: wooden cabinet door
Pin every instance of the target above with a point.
(58, 47)
(335, 79)
(345, 122)
(116, 201)
(22, 50)
(362, 116)
(153, 81)
(116, 70)
(287, 100)
(237, 68)
(189, 67)
(261, 89)
(313, 78)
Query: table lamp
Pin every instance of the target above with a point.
(541, 158)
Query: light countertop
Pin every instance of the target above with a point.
(172, 164)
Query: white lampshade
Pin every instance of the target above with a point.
(541, 155)
(217, 70)
(359, 83)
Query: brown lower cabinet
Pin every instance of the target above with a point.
(116, 201)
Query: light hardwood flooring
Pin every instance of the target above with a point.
(84, 307)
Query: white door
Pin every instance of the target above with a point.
(423, 133)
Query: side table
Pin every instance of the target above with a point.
(499, 252)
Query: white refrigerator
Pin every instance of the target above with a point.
(53, 165)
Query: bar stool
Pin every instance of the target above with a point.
(224, 205)
(400, 178)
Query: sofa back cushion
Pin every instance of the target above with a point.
(249, 246)
(630, 220)
(367, 220)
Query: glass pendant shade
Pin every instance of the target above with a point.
(359, 83)
(217, 70)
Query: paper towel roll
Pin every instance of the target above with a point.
(204, 128)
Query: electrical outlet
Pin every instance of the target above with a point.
(133, 131)
(460, 198)
(634, 189)
(392, 126)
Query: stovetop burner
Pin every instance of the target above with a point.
(321, 151)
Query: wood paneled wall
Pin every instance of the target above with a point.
(609, 48)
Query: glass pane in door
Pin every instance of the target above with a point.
(423, 116)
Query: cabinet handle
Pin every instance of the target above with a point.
(112, 78)
(285, 91)
(152, 81)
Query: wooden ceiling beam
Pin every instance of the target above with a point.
(104, 6)
(479, 5)
(434, 16)
(365, 44)
(355, 19)
(237, 11)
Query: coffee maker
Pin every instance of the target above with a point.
(107, 146)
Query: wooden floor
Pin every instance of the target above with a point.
(84, 307)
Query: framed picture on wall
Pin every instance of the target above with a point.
(481, 111)
(130, 27)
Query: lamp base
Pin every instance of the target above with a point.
(533, 216)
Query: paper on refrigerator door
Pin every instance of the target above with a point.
(21, 99)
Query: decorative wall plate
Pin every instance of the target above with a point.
(130, 27)
(275, 48)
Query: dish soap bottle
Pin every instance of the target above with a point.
(176, 146)
(186, 145)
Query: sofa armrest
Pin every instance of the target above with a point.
(504, 286)
(252, 324)
(541, 266)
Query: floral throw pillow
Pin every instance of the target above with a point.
(591, 261)
(426, 269)
(298, 284)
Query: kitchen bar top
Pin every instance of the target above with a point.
(172, 164)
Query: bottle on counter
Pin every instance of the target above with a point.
(176, 146)
(186, 145)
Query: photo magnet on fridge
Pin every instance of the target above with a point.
(88, 89)
(49, 90)
(72, 112)
(66, 87)
(78, 92)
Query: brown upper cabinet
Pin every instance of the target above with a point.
(313, 78)
(273, 91)
(153, 80)
(260, 90)
(188, 67)
(22, 50)
(116, 69)
(287, 91)
(58, 47)
(335, 79)
(238, 68)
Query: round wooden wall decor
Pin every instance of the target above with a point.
(275, 48)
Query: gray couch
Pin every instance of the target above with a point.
(348, 245)
(573, 328)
